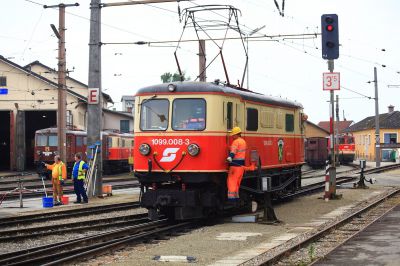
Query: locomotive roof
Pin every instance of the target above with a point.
(53, 130)
(213, 87)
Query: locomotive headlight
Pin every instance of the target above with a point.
(171, 87)
(193, 149)
(144, 149)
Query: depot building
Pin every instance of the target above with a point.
(29, 102)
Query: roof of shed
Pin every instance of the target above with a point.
(387, 120)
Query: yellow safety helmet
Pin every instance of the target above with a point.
(235, 131)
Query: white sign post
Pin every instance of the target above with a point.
(93, 97)
(331, 81)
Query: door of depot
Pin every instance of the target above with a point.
(35, 120)
(5, 139)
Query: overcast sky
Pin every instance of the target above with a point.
(289, 68)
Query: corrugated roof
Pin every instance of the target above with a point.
(341, 125)
(388, 120)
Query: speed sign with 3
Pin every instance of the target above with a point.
(331, 81)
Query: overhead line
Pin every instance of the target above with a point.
(217, 39)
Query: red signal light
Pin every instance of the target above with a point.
(329, 28)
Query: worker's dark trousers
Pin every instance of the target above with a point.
(80, 191)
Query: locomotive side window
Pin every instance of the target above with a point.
(279, 120)
(229, 115)
(267, 119)
(41, 141)
(289, 123)
(189, 114)
(252, 119)
(53, 141)
(154, 114)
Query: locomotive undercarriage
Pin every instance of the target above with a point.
(194, 196)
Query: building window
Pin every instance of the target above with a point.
(124, 126)
(252, 119)
(69, 119)
(289, 122)
(3, 81)
(390, 138)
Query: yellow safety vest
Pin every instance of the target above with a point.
(60, 177)
(81, 174)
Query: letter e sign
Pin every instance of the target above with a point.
(93, 97)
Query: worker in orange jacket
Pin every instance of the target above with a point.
(59, 174)
(236, 159)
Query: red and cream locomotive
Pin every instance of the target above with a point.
(182, 141)
(116, 148)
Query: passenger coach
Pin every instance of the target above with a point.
(182, 141)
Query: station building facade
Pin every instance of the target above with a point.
(29, 102)
(389, 133)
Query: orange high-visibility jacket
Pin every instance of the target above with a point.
(58, 170)
(238, 149)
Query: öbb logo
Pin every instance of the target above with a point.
(169, 154)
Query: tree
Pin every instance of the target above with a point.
(168, 77)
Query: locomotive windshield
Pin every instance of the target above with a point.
(189, 114)
(154, 114)
(53, 140)
(41, 140)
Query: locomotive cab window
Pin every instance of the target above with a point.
(154, 114)
(252, 119)
(189, 114)
(289, 123)
(53, 141)
(41, 141)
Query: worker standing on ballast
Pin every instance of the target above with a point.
(236, 159)
(78, 176)
(58, 174)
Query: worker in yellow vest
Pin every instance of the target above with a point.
(59, 174)
(78, 176)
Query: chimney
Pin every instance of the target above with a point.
(391, 108)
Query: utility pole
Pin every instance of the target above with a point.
(62, 95)
(202, 61)
(377, 137)
(95, 112)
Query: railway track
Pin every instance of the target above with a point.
(37, 190)
(324, 240)
(65, 214)
(309, 174)
(61, 252)
(72, 227)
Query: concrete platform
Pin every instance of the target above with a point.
(379, 244)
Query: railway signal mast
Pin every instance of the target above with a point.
(331, 82)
